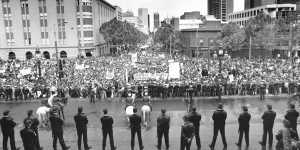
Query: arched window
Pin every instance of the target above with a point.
(63, 54)
(11, 55)
(29, 55)
(46, 55)
(88, 54)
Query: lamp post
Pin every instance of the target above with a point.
(220, 55)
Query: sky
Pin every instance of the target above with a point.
(168, 8)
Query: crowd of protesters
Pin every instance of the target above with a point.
(110, 75)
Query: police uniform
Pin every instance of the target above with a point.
(135, 125)
(57, 131)
(219, 118)
(107, 129)
(243, 120)
(195, 118)
(7, 127)
(28, 137)
(292, 116)
(163, 126)
(268, 123)
(187, 134)
(81, 122)
(34, 127)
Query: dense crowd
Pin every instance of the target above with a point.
(30, 79)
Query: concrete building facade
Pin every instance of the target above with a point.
(143, 15)
(220, 8)
(27, 26)
(156, 21)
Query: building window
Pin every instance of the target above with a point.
(87, 21)
(62, 35)
(44, 35)
(26, 23)
(88, 33)
(86, 8)
(24, 9)
(44, 23)
(9, 35)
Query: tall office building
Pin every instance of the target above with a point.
(252, 4)
(156, 20)
(143, 15)
(230, 6)
(218, 8)
(256, 3)
(27, 26)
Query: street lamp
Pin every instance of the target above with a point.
(221, 53)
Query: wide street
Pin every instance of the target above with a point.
(175, 108)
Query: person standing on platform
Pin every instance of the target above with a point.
(244, 120)
(292, 115)
(219, 118)
(107, 129)
(195, 118)
(28, 136)
(135, 125)
(7, 127)
(57, 130)
(187, 134)
(268, 123)
(81, 122)
(34, 126)
(163, 126)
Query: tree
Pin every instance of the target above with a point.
(166, 35)
(232, 37)
(119, 33)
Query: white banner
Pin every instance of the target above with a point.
(174, 70)
(109, 74)
(25, 71)
(149, 76)
(134, 57)
(79, 66)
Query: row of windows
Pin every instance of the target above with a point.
(6, 10)
(87, 34)
(246, 14)
(86, 21)
(7, 23)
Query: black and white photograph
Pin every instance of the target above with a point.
(149, 74)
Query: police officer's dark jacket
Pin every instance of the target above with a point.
(56, 124)
(163, 122)
(219, 117)
(292, 116)
(7, 125)
(135, 121)
(81, 121)
(268, 118)
(195, 118)
(28, 137)
(107, 122)
(35, 123)
(244, 119)
(187, 130)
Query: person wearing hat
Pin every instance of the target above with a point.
(135, 126)
(244, 119)
(268, 122)
(28, 136)
(195, 118)
(81, 122)
(7, 127)
(219, 118)
(292, 116)
(187, 134)
(34, 126)
(163, 126)
(57, 130)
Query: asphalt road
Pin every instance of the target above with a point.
(176, 108)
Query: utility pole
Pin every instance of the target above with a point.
(250, 47)
(170, 45)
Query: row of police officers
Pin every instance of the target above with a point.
(189, 130)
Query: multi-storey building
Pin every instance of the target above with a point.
(219, 8)
(156, 21)
(274, 10)
(28, 26)
(118, 13)
(143, 15)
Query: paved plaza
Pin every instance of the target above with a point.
(175, 108)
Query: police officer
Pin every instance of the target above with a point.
(107, 129)
(7, 127)
(57, 130)
(219, 118)
(244, 120)
(28, 136)
(292, 116)
(34, 123)
(163, 126)
(195, 118)
(81, 122)
(135, 125)
(268, 123)
(187, 134)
